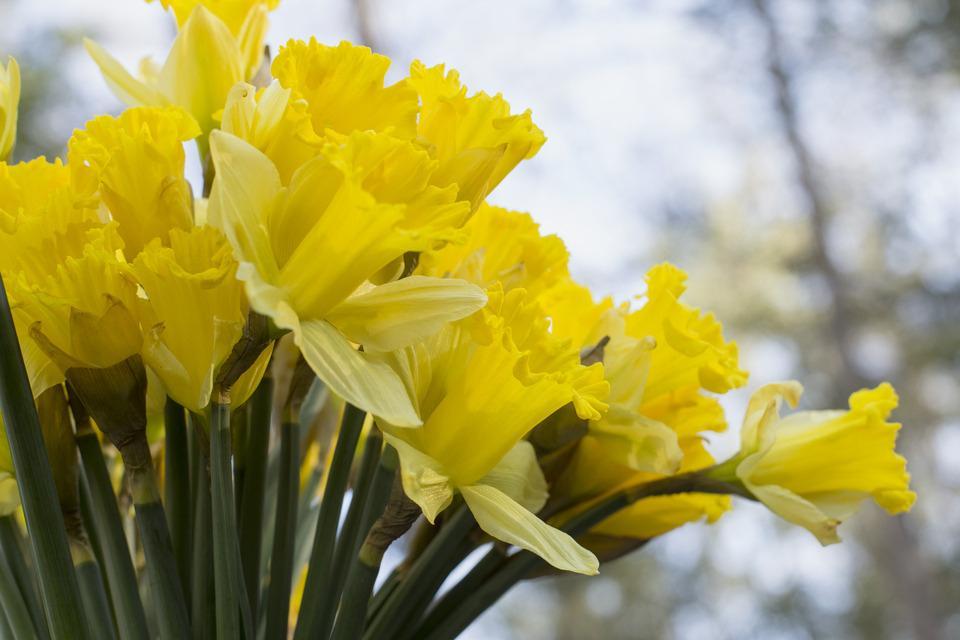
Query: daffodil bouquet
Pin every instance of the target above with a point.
(224, 401)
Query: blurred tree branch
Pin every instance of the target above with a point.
(895, 548)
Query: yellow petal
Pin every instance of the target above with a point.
(508, 521)
(399, 313)
(638, 442)
(798, 511)
(368, 384)
(204, 63)
(243, 195)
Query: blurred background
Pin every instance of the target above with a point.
(800, 159)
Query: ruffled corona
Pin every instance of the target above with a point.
(344, 88)
(134, 162)
(477, 140)
(480, 386)
(815, 468)
(307, 253)
(82, 314)
(194, 314)
(9, 105)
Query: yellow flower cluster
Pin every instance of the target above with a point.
(353, 214)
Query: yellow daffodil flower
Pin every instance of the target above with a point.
(211, 53)
(135, 162)
(502, 246)
(307, 252)
(9, 105)
(480, 386)
(476, 139)
(659, 359)
(815, 468)
(194, 314)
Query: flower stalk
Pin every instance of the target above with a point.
(48, 539)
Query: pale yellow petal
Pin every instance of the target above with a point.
(368, 384)
(128, 89)
(243, 193)
(638, 442)
(799, 511)
(506, 520)
(519, 476)
(399, 313)
(423, 479)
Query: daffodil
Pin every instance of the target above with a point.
(307, 253)
(476, 138)
(815, 468)
(502, 246)
(480, 386)
(214, 49)
(659, 359)
(134, 163)
(9, 105)
(193, 315)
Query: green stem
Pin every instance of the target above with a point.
(522, 563)
(349, 541)
(487, 566)
(228, 581)
(165, 587)
(312, 619)
(38, 495)
(389, 585)
(124, 589)
(94, 597)
(14, 608)
(6, 632)
(251, 505)
(284, 532)
(201, 586)
(176, 487)
(366, 558)
(421, 579)
(12, 551)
